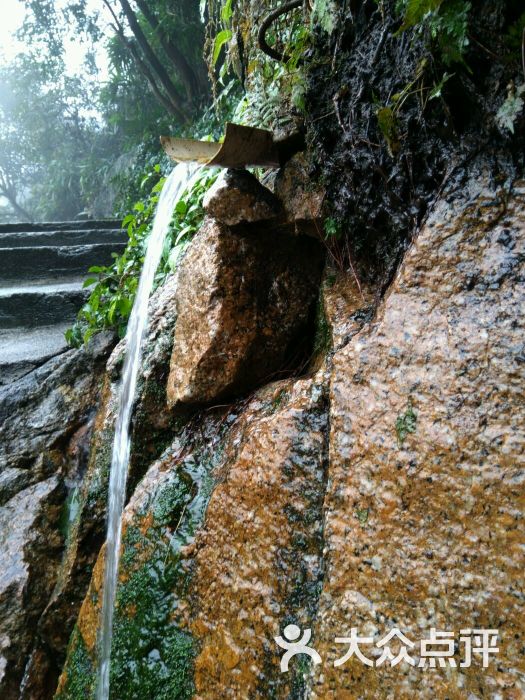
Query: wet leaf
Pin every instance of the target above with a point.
(437, 89)
(417, 10)
(387, 125)
(405, 424)
(511, 109)
(222, 38)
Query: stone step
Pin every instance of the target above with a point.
(42, 268)
(23, 350)
(35, 305)
(61, 226)
(53, 261)
(58, 237)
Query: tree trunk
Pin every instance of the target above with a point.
(172, 108)
(168, 105)
(152, 58)
(186, 73)
(22, 214)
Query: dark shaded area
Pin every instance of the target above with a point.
(378, 188)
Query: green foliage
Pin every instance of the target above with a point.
(387, 124)
(512, 108)
(415, 11)
(437, 90)
(80, 675)
(225, 35)
(71, 144)
(332, 228)
(55, 148)
(449, 29)
(516, 33)
(226, 11)
(271, 87)
(387, 114)
(405, 424)
(115, 286)
(325, 14)
(446, 21)
(222, 38)
(51, 143)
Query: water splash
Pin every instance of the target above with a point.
(179, 180)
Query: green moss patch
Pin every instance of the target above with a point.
(80, 672)
(152, 654)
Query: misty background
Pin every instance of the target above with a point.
(86, 89)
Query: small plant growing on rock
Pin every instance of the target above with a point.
(405, 424)
(445, 20)
(362, 515)
(512, 108)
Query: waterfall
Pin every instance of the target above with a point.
(178, 181)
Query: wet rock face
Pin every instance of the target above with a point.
(382, 491)
(302, 200)
(424, 513)
(217, 549)
(244, 301)
(38, 412)
(152, 653)
(238, 197)
(83, 521)
(30, 552)
(266, 513)
(45, 432)
(381, 185)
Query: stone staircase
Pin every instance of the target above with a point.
(42, 268)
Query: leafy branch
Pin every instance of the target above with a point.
(114, 287)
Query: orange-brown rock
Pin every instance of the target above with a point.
(258, 557)
(243, 304)
(237, 197)
(348, 304)
(424, 510)
(83, 641)
(302, 201)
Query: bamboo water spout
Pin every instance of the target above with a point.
(243, 146)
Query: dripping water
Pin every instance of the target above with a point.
(179, 180)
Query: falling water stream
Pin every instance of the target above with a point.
(179, 180)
